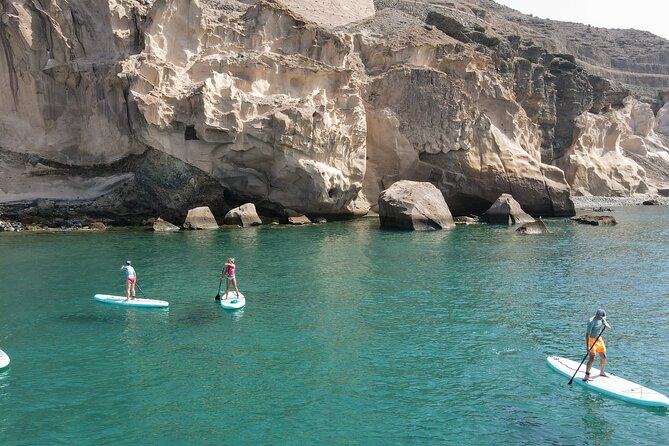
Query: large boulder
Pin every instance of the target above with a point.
(414, 206)
(506, 211)
(244, 216)
(200, 218)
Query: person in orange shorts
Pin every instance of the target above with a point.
(595, 327)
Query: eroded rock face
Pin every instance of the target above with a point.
(264, 102)
(311, 105)
(414, 206)
(617, 153)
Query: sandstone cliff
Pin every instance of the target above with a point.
(125, 109)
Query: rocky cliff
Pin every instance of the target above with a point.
(127, 109)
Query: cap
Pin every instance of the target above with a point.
(601, 313)
(127, 262)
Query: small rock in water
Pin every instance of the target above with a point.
(536, 227)
(595, 220)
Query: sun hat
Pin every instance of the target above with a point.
(601, 313)
(127, 262)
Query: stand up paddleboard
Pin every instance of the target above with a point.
(233, 302)
(613, 386)
(138, 303)
(4, 360)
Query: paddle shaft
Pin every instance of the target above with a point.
(140, 289)
(586, 355)
(218, 293)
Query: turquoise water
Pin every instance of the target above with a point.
(351, 335)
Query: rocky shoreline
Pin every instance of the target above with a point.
(593, 202)
(9, 224)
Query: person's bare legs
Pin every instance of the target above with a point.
(227, 287)
(234, 282)
(591, 361)
(602, 366)
(127, 290)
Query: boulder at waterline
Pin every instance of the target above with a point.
(200, 218)
(536, 227)
(466, 220)
(295, 218)
(506, 211)
(595, 220)
(244, 216)
(414, 206)
(651, 203)
(97, 226)
(161, 225)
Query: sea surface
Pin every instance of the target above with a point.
(352, 335)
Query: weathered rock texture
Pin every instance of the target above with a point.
(161, 225)
(244, 216)
(117, 110)
(200, 218)
(595, 220)
(533, 228)
(414, 206)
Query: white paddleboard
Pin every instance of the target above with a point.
(613, 386)
(233, 302)
(140, 303)
(4, 360)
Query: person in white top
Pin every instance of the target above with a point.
(132, 279)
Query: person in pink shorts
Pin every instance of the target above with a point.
(229, 274)
(131, 280)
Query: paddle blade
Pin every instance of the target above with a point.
(218, 296)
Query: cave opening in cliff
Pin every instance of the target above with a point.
(190, 133)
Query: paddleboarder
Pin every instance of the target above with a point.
(594, 345)
(229, 273)
(131, 277)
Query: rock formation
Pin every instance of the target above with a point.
(595, 220)
(200, 218)
(161, 225)
(295, 218)
(244, 216)
(533, 228)
(506, 211)
(116, 110)
(414, 206)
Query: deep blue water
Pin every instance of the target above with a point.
(351, 335)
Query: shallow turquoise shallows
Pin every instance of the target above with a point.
(350, 335)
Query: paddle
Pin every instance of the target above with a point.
(586, 355)
(218, 293)
(140, 290)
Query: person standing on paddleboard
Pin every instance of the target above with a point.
(131, 280)
(594, 345)
(229, 273)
